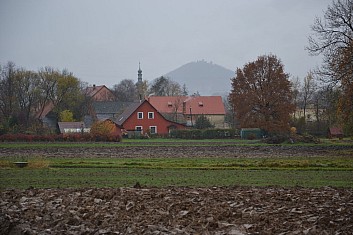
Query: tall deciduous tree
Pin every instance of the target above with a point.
(261, 95)
(28, 94)
(60, 88)
(7, 91)
(333, 38)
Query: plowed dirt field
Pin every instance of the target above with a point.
(178, 210)
(238, 210)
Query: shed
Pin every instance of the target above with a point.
(72, 127)
(335, 132)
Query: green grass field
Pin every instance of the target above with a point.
(42, 172)
(122, 177)
(78, 173)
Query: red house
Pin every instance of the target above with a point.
(144, 118)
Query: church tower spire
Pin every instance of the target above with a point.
(139, 84)
(139, 74)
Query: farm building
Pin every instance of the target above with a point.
(46, 115)
(335, 132)
(102, 110)
(72, 127)
(100, 93)
(144, 118)
(186, 109)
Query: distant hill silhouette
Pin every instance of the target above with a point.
(204, 77)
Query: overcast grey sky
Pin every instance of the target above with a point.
(102, 41)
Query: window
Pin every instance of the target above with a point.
(140, 115)
(153, 129)
(138, 128)
(150, 115)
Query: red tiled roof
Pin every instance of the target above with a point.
(127, 113)
(208, 105)
(91, 91)
(165, 104)
(43, 112)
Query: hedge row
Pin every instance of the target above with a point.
(58, 138)
(205, 134)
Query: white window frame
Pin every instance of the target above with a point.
(138, 115)
(155, 128)
(138, 127)
(149, 113)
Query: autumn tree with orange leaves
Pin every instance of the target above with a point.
(261, 95)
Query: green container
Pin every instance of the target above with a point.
(251, 133)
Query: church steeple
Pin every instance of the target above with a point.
(139, 74)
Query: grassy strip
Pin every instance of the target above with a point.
(200, 172)
(312, 163)
(121, 177)
(169, 142)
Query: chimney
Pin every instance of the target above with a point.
(94, 86)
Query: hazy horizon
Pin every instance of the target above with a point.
(102, 42)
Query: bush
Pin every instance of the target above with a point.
(202, 122)
(105, 131)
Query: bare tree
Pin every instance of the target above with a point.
(7, 91)
(295, 87)
(178, 103)
(28, 93)
(333, 38)
(164, 86)
(125, 91)
(307, 92)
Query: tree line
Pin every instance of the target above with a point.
(127, 90)
(26, 95)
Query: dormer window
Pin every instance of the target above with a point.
(200, 104)
(170, 104)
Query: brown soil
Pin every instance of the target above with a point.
(169, 151)
(238, 210)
